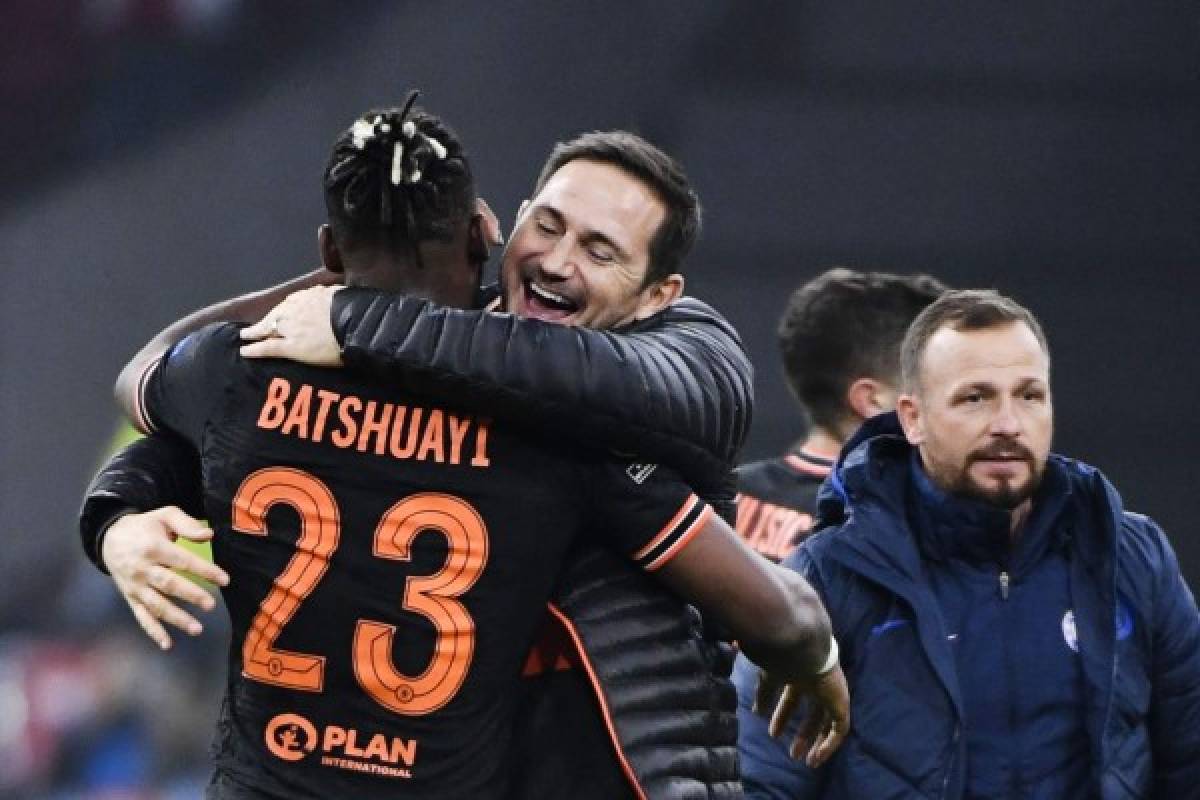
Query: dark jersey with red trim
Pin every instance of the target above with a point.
(390, 563)
(777, 501)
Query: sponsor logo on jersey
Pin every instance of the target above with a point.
(639, 472)
(291, 737)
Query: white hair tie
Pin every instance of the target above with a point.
(397, 163)
(362, 132)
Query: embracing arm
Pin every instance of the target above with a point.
(137, 546)
(246, 308)
(777, 617)
(675, 388)
(154, 471)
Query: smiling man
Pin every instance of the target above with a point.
(573, 258)
(1008, 629)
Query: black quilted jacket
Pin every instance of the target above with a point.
(676, 388)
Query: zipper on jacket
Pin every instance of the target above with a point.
(1011, 683)
(953, 760)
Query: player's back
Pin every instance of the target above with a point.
(389, 563)
(777, 501)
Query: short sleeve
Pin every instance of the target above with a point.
(181, 390)
(645, 511)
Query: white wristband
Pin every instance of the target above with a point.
(832, 659)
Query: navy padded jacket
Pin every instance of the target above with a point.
(1142, 687)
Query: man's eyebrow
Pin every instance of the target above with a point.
(542, 208)
(975, 386)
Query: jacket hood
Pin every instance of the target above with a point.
(884, 434)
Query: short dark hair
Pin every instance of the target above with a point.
(664, 175)
(962, 310)
(388, 184)
(844, 325)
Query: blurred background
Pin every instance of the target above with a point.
(158, 155)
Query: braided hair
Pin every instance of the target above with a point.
(395, 178)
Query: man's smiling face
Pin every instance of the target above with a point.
(581, 248)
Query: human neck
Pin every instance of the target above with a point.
(443, 282)
(821, 443)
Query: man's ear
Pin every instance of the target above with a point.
(908, 409)
(483, 233)
(659, 295)
(477, 242)
(489, 223)
(867, 397)
(331, 257)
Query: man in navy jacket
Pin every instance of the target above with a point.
(1007, 628)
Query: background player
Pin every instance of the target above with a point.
(244, 438)
(840, 342)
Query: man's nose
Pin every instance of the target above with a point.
(1005, 421)
(559, 261)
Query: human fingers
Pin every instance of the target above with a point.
(271, 321)
(265, 327)
(263, 348)
(834, 696)
(828, 743)
(179, 523)
(168, 612)
(813, 725)
(175, 557)
(174, 585)
(148, 623)
(307, 308)
(784, 709)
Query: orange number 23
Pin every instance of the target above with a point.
(432, 596)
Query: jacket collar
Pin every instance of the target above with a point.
(951, 527)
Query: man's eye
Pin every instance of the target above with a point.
(973, 397)
(546, 227)
(1034, 397)
(603, 256)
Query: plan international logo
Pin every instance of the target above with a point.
(292, 738)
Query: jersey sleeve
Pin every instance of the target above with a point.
(180, 392)
(645, 510)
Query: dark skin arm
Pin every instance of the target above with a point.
(780, 624)
(244, 309)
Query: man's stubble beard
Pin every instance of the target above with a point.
(1007, 496)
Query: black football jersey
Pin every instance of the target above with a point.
(390, 562)
(777, 501)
